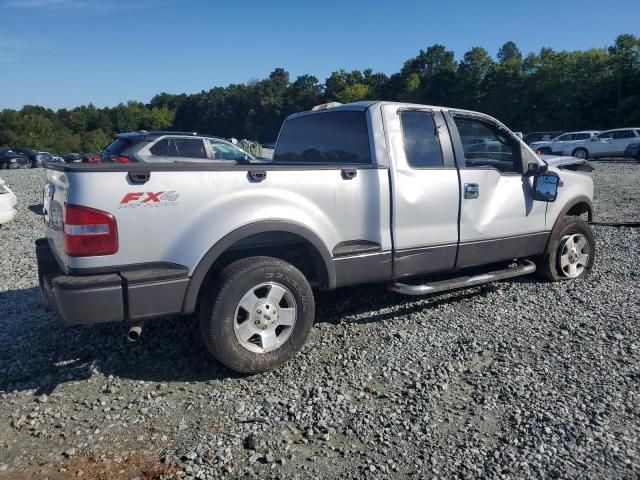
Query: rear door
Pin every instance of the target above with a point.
(621, 139)
(426, 191)
(499, 220)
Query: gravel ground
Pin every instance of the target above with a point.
(514, 380)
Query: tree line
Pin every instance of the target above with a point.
(597, 88)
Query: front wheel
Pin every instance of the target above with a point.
(257, 314)
(570, 253)
(581, 153)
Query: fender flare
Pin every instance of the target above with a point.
(570, 204)
(208, 260)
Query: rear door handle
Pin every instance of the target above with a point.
(471, 190)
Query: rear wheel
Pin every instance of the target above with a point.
(257, 314)
(581, 153)
(570, 253)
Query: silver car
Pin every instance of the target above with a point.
(611, 143)
(161, 146)
(563, 144)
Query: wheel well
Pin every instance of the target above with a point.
(580, 209)
(286, 246)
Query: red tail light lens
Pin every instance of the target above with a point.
(120, 158)
(89, 232)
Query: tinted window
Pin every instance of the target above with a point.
(330, 137)
(118, 146)
(564, 138)
(421, 142)
(623, 134)
(160, 148)
(192, 148)
(581, 136)
(485, 145)
(606, 135)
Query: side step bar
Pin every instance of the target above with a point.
(524, 268)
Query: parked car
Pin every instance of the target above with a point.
(171, 147)
(633, 151)
(529, 138)
(563, 144)
(73, 158)
(368, 192)
(11, 159)
(90, 158)
(7, 203)
(31, 154)
(611, 143)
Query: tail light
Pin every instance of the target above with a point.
(89, 232)
(120, 158)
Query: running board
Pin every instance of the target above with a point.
(524, 268)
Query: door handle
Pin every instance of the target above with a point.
(471, 190)
(257, 175)
(349, 173)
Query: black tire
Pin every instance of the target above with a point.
(221, 299)
(548, 264)
(582, 150)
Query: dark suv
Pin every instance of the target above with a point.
(11, 159)
(163, 146)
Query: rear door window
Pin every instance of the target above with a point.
(623, 134)
(581, 136)
(187, 147)
(421, 142)
(328, 137)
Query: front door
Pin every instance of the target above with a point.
(426, 189)
(499, 220)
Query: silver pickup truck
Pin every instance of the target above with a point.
(368, 192)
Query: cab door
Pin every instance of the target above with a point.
(426, 190)
(499, 220)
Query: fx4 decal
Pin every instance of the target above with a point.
(149, 199)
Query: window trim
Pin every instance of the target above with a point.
(457, 140)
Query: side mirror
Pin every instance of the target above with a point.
(533, 168)
(545, 188)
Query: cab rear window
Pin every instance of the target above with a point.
(328, 137)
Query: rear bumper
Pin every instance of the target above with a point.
(132, 293)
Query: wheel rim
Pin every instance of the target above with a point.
(265, 317)
(574, 254)
(580, 154)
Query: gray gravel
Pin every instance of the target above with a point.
(518, 379)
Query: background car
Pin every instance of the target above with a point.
(12, 159)
(72, 158)
(171, 147)
(31, 154)
(562, 145)
(633, 151)
(7, 203)
(611, 143)
(90, 158)
(529, 138)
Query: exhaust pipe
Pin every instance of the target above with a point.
(135, 331)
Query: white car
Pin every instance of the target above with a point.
(563, 144)
(611, 143)
(7, 203)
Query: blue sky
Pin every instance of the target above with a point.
(64, 53)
